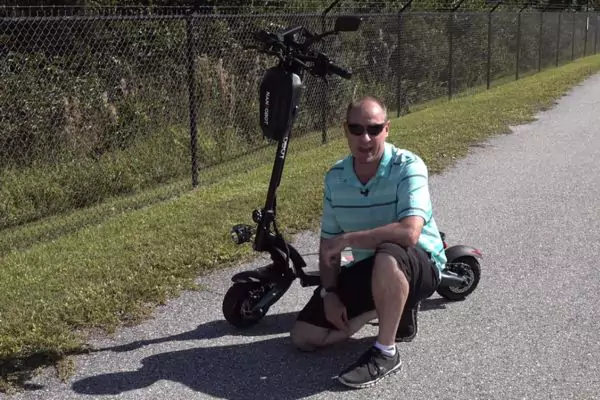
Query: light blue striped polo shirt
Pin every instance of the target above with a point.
(399, 189)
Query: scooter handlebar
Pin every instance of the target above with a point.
(337, 70)
(280, 44)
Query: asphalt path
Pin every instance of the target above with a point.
(529, 200)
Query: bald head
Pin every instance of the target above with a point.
(369, 105)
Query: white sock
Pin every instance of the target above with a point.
(387, 350)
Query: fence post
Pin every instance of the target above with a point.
(541, 38)
(595, 34)
(558, 37)
(325, 98)
(191, 63)
(519, 40)
(489, 44)
(587, 29)
(573, 37)
(399, 67)
(451, 47)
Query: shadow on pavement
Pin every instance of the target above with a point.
(270, 325)
(270, 368)
(434, 303)
(257, 370)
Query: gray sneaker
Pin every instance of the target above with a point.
(370, 368)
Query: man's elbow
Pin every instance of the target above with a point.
(410, 230)
(412, 236)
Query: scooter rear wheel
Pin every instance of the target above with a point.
(239, 301)
(467, 267)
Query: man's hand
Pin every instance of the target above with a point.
(335, 312)
(332, 248)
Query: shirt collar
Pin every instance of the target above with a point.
(382, 169)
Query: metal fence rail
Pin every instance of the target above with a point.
(97, 105)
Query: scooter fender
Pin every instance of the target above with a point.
(263, 275)
(251, 276)
(461, 250)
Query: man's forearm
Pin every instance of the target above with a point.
(371, 238)
(329, 271)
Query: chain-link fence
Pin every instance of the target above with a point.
(99, 104)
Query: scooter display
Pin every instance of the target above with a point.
(254, 291)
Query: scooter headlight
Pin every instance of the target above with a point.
(241, 233)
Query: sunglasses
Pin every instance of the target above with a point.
(372, 130)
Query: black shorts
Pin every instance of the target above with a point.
(354, 284)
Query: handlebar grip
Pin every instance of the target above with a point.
(264, 36)
(260, 35)
(334, 69)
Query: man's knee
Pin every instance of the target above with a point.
(394, 250)
(391, 269)
(393, 256)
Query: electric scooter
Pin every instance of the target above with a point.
(254, 291)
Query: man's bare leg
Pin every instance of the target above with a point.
(308, 337)
(390, 291)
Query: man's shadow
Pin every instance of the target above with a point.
(270, 368)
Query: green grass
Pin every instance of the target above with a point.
(103, 275)
(49, 228)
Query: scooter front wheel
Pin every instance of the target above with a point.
(239, 302)
(465, 267)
